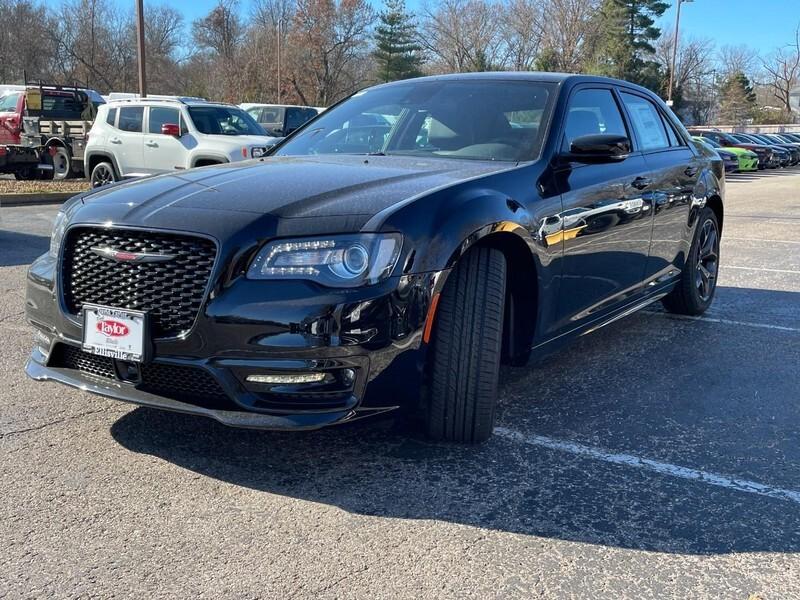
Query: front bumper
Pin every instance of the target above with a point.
(374, 335)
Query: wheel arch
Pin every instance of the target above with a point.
(522, 294)
(205, 160)
(714, 202)
(91, 160)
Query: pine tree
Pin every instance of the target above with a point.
(397, 51)
(738, 100)
(625, 44)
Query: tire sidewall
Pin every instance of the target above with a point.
(699, 304)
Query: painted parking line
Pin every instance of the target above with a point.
(723, 321)
(647, 464)
(760, 240)
(725, 267)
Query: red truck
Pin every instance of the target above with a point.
(43, 130)
(15, 158)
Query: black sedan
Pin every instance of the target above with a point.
(365, 267)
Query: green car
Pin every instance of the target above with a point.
(748, 161)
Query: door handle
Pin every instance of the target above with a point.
(641, 182)
(151, 144)
(691, 171)
(115, 140)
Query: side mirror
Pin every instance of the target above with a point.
(599, 148)
(171, 129)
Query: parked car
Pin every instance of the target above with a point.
(791, 137)
(133, 138)
(280, 120)
(349, 275)
(783, 155)
(792, 149)
(721, 162)
(746, 160)
(767, 158)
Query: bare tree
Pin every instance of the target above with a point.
(783, 67)
(523, 32)
(737, 59)
(464, 35)
(570, 33)
(328, 49)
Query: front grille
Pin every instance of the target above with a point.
(171, 292)
(178, 382)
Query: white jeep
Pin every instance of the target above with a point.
(134, 138)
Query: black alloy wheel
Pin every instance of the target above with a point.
(707, 260)
(694, 292)
(103, 174)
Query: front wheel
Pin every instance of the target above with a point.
(468, 338)
(102, 174)
(695, 290)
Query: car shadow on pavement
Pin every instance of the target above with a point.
(21, 248)
(637, 388)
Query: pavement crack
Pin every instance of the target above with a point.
(51, 423)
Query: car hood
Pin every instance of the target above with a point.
(283, 187)
(739, 151)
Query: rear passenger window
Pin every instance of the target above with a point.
(130, 118)
(160, 115)
(591, 112)
(672, 135)
(111, 119)
(646, 122)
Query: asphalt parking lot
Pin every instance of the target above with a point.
(656, 458)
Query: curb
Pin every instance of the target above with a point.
(34, 199)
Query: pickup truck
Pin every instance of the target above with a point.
(43, 129)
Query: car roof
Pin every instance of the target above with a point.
(167, 102)
(539, 76)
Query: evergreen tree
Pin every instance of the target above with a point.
(624, 47)
(738, 100)
(397, 51)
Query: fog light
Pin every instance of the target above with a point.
(286, 379)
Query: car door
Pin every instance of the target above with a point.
(675, 170)
(163, 153)
(605, 222)
(127, 142)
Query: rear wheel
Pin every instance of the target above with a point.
(103, 174)
(695, 290)
(61, 160)
(465, 362)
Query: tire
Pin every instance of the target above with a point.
(25, 174)
(695, 290)
(467, 343)
(62, 163)
(103, 174)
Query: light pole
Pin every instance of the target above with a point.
(140, 47)
(674, 52)
(280, 43)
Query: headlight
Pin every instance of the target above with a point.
(59, 225)
(258, 152)
(335, 261)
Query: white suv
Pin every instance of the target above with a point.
(133, 138)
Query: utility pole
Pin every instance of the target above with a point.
(674, 53)
(280, 43)
(140, 47)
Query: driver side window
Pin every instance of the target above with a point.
(591, 112)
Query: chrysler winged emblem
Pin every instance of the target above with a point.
(131, 257)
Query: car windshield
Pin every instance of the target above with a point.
(223, 120)
(478, 120)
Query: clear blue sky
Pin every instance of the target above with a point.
(761, 24)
